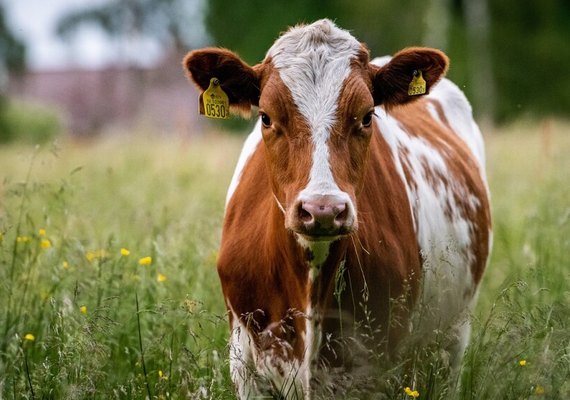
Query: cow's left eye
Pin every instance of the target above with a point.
(265, 120)
(367, 120)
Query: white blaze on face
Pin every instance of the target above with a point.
(313, 61)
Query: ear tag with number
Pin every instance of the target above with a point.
(417, 85)
(214, 101)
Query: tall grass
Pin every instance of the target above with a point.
(107, 259)
(109, 289)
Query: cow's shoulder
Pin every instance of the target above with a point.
(450, 106)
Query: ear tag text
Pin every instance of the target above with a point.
(214, 101)
(417, 85)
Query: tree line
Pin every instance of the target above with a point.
(509, 56)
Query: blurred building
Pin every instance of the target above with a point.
(158, 98)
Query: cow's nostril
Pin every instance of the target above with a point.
(323, 216)
(341, 214)
(304, 215)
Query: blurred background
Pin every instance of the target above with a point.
(85, 68)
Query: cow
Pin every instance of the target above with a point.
(358, 214)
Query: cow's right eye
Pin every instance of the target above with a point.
(265, 120)
(367, 120)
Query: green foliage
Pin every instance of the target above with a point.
(165, 199)
(12, 58)
(527, 41)
(26, 122)
(12, 50)
(531, 54)
(244, 28)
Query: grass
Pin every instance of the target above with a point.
(81, 318)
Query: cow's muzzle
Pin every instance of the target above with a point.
(322, 217)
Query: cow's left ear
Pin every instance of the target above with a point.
(237, 79)
(391, 82)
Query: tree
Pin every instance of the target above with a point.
(12, 59)
(173, 24)
(170, 22)
(252, 27)
(12, 50)
(532, 55)
(480, 64)
(509, 56)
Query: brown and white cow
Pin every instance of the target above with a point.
(354, 206)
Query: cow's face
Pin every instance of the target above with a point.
(316, 92)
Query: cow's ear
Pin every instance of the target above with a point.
(237, 79)
(391, 82)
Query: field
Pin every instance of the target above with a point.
(109, 288)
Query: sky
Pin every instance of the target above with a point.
(35, 21)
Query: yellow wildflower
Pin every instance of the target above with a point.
(42, 232)
(161, 278)
(65, 265)
(539, 390)
(23, 239)
(83, 309)
(29, 337)
(522, 363)
(125, 252)
(161, 375)
(145, 260)
(45, 244)
(94, 255)
(411, 393)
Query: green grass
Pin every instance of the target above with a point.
(157, 198)
(105, 326)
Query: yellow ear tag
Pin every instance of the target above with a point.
(214, 101)
(417, 85)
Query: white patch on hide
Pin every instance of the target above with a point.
(247, 151)
(259, 374)
(444, 239)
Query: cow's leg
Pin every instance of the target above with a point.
(263, 367)
(242, 369)
(458, 339)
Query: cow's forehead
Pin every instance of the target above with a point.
(313, 61)
(312, 55)
(322, 35)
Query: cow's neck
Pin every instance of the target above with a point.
(320, 261)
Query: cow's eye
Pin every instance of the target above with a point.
(367, 120)
(265, 120)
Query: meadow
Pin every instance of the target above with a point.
(109, 288)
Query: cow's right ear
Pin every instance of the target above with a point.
(237, 79)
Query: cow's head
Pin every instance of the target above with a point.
(316, 92)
